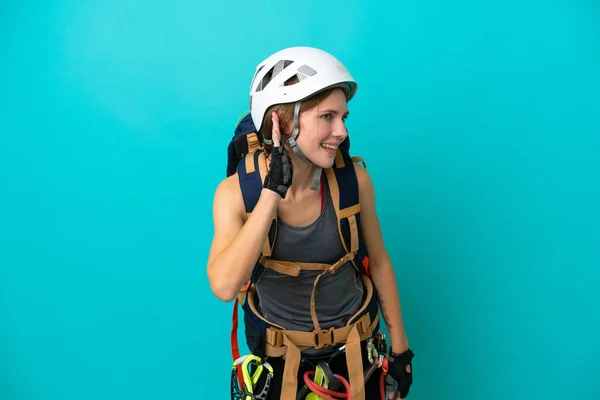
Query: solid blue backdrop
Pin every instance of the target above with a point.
(479, 123)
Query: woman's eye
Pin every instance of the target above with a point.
(326, 117)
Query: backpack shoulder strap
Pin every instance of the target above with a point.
(343, 186)
(246, 139)
(252, 170)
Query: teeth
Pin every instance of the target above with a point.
(328, 146)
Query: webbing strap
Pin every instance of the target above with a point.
(358, 160)
(355, 365)
(276, 342)
(293, 268)
(253, 142)
(324, 338)
(339, 160)
(289, 385)
(266, 250)
(353, 233)
(332, 269)
(235, 349)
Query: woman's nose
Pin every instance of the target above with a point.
(340, 130)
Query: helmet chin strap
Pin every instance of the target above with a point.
(294, 145)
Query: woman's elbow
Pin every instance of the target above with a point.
(221, 288)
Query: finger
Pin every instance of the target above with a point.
(276, 134)
(391, 395)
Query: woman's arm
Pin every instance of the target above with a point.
(380, 264)
(237, 244)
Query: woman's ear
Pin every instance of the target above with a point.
(288, 130)
(286, 124)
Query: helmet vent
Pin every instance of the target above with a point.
(256, 74)
(303, 72)
(272, 73)
(292, 80)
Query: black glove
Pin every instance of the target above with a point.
(280, 173)
(400, 369)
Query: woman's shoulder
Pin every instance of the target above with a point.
(366, 191)
(362, 176)
(230, 184)
(229, 195)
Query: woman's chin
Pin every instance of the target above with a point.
(324, 162)
(322, 159)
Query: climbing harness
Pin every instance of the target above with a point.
(325, 385)
(320, 383)
(246, 391)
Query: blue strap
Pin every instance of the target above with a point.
(250, 183)
(349, 196)
(346, 179)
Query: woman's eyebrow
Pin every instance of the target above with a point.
(332, 111)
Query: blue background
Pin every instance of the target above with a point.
(479, 122)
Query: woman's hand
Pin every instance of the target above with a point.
(399, 378)
(279, 177)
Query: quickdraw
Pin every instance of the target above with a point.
(377, 349)
(246, 392)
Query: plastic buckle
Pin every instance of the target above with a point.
(274, 337)
(323, 338)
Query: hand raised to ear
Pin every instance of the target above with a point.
(276, 133)
(279, 177)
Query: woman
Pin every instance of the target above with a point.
(299, 97)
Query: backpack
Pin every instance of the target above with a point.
(246, 158)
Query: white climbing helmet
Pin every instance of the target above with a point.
(315, 69)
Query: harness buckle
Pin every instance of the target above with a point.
(323, 338)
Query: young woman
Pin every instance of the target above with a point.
(299, 103)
